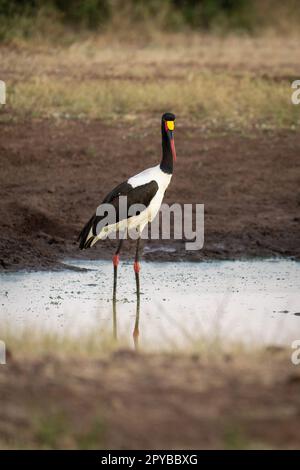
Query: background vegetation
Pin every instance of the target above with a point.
(227, 63)
(27, 18)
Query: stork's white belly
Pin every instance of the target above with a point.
(150, 212)
(139, 220)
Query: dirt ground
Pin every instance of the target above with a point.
(55, 173)
(128, 401)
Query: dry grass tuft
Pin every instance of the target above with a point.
(234, 82)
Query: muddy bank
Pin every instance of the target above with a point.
(53, 176)
(127, 401)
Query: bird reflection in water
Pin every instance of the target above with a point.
(136, 331)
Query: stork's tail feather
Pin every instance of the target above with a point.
(86, 236)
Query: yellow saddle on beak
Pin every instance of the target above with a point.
(171, 125)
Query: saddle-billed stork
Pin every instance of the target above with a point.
(147, 188)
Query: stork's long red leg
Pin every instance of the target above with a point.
(115, 264)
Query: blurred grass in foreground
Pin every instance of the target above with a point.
(32, 342)
(69, 398)
(90, 393)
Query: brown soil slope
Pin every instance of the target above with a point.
(53, 176)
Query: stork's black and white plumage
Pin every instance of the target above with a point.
(147, 188)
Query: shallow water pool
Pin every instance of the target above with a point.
(249, 301)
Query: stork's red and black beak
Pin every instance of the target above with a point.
(168, 144)
(168, 123)
(170, 126)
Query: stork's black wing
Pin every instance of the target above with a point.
(139, 195)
